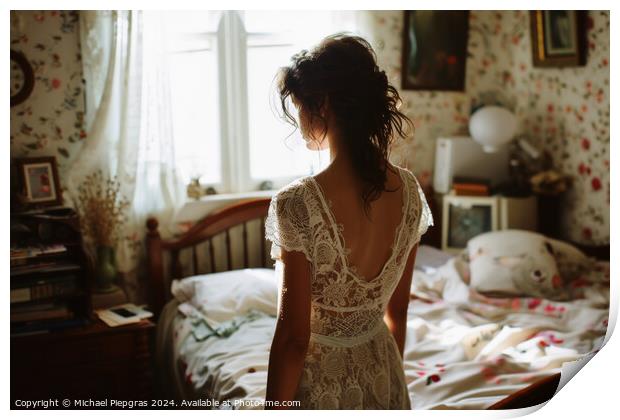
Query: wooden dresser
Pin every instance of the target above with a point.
(90, 362)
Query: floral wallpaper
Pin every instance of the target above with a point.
(565, 111)
(50, 121)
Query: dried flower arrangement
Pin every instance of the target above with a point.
(102, 208)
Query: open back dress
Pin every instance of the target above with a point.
(352, 359)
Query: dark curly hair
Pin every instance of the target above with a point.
(343, 69)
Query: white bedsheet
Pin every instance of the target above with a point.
(463, 350)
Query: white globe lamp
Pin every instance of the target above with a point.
(492, 127)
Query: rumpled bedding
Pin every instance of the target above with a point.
(463, 350)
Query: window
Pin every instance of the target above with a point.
(225, 107)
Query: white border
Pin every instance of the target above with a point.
(593, 394)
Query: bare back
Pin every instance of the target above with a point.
(369, 240)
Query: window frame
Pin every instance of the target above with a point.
(233, 49)
(231, 41)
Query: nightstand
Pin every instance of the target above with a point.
(94, 361)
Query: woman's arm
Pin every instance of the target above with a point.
(396, 313)
(292, 333)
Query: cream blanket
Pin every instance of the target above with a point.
(463, 350)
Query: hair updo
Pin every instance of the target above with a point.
(343, 69)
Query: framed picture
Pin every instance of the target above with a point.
(466, 217)
(558, 37)
(38, 181)
(435, 49)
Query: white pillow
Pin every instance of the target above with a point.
(222, 296)
(514, 263)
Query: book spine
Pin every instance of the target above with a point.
(44, 269)
(47, 326)
(59, 313)
(42, 291)
(471, 189)
(37, 281)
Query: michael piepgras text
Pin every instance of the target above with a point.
(106, 403)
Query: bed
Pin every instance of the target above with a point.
(464, 350)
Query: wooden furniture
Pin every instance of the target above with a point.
(62, 279)
(537, 393)
(94, 361)
(214, 224)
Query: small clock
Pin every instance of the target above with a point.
(22, 78)
(466, 217)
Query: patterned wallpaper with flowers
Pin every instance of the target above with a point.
(565, 111)
(50, 121)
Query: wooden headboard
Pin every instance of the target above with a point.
(219, 222)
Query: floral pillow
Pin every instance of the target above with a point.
(514, 263)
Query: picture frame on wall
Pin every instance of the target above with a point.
(559, 38)
(38, 181)
(434, 49)
(465, 217)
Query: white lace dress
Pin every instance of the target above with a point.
(352, 360)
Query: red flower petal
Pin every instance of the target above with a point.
(585, 144)
(533, 303)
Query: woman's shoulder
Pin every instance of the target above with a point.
(292, 200)
(416, 192)
(294, 188)
(422, 209)
(407, 175)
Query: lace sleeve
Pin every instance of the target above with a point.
(287, 223)
(426, 216)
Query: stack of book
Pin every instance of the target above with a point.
(471, 186)
(50, 272)
(43, 281)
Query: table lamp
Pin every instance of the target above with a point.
(492, 127)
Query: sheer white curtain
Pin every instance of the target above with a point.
(129, 122)
(129, 132)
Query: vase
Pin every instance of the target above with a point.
(106, 270)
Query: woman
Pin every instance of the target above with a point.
(344, 240)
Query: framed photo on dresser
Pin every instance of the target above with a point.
(38, 181)
(465, 217)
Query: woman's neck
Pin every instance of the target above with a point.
(340, 166)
